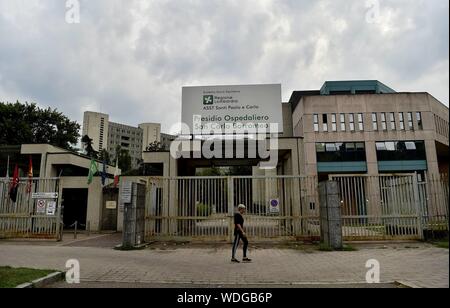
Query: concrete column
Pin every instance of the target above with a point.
(371, 158)
(330, 215)
(432, 161)
(134, 218)
(94, 206)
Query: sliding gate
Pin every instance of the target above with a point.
(391, 206)
(202, 208)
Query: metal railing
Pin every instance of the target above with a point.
(203, 207)
(29, 217)
(391, 206)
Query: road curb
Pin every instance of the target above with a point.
(408, 284)
(44, 281)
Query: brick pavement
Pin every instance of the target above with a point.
(423, 266)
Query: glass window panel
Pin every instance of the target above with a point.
(381, 146)
(320, 147)
(331, 147)
(410, 145)
(390, 146)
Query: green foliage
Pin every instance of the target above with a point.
(214, 171)
(124, 159)
(105, 156)
(155, 147)
(27, 123)
(203, 210)
(87, 144)
(12, 277)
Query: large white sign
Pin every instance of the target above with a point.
(217, 109)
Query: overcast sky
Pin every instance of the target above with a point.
(131, 58)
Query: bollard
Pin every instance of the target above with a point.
(76, 227)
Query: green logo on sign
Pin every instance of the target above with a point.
(208, 99)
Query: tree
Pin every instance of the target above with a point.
(155, 146)
(88, 148)
(124, 159)
(105, 156)
(27, 123)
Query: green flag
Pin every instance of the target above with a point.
(93, 169)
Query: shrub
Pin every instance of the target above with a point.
(203, 210)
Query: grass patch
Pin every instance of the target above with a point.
(441, 244)
(12, 277)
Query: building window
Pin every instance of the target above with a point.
(400, 150)
(340, 152)
(392, 120)
(316, 122)
(410, 121)
(360, 122)
(333, 122)
(383, 121)
(419, 120)
(374, 122)
(351, 121)
(402, 121)
(325, 122)
(343, 128)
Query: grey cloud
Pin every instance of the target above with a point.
(131, 58)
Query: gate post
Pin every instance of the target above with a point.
(134, 218)
(230, 190)
(297, 205)
(418, 206)
(330, 215)
(59, 220)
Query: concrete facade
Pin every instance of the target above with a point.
(54, 158)
(95, 125)
(369, 104)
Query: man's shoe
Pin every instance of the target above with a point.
(246, 260)
(234, 260)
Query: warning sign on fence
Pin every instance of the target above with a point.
(51, 208)
(40, 206)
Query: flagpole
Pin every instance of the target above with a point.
(7, 169)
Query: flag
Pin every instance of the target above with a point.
(104, 173)
(30, 176)
(13, 189)
(93, 169)
(7, 170)
(116, 174)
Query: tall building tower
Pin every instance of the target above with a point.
(95, 125)
(151, 132)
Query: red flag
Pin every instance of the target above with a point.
(30, 176)
(14, 185)
(116, 174)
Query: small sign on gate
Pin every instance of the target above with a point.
(40, 206)
(44, 195)
(275, 206)
(51, 208)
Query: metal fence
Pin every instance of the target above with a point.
(202, 208)
(30, 216)
(392, 206)
(378, 207)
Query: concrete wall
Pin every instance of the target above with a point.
(95, 198)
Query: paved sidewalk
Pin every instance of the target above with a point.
(423, 265)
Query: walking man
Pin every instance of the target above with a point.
(239, 234)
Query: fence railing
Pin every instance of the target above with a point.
(27, 216)
(203, 207)
(398, 206)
